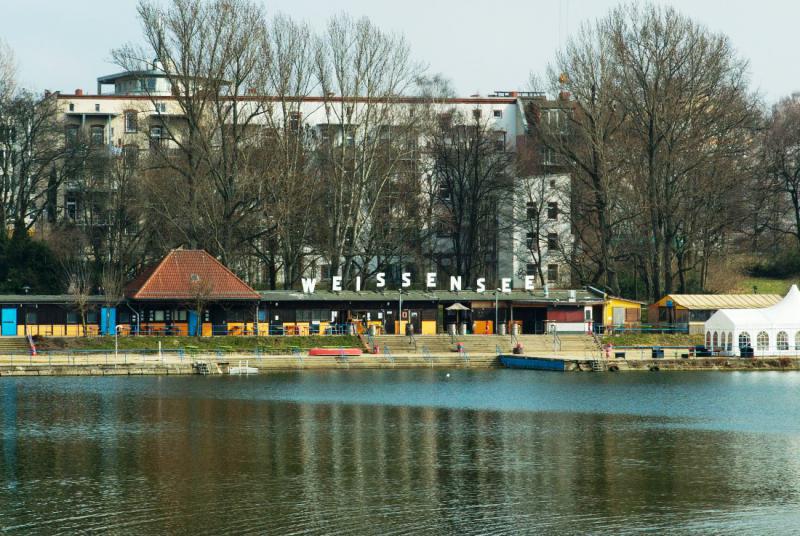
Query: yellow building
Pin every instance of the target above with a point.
(621, 312)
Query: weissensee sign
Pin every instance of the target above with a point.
(309, 284)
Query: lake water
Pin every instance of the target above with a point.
(402, 452)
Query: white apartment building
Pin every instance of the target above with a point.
(129, 111)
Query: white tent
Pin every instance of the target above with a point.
(773, 330)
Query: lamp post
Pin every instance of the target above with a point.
(400, 312)
(116, 342)
(496, 314)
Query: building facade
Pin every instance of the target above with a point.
(135, 113)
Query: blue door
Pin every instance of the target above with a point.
(9, 321)
(108, 320)
(192, 322)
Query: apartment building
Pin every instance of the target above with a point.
(133, 112)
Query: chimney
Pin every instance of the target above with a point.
(79, 93)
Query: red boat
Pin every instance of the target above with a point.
(334, 351)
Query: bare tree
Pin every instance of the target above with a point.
(291, 201)
(202, 290)
(363, 75)
(79, 288)
(31, 158)
(782, 166)
(579, 133)
(683, 91)
(209, 169)
(471, 181)
(8, 72)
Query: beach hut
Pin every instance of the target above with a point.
(773, 330)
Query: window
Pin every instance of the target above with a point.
(158, 316)
(715, 341)
(98, 135)
(548, 156)
(744, 339)
(530, 210)
(72, 317)
(30, 317)
(782, 340)
(71, 206)
(530, 269)
(155, 137)
(730, 342)
(71, 106)
(552, 241)
(131, 122)
(161, 107)
(130, 156)
(71, 135)
(151, 84)
(294, 121)
(179, 315)
(708, 339)
(500, 140)
(325, 271)
(797, 341)
(552, 211)
(552, 183)
(91, 316)
(552, 273)
(498, 114)
(96, 107)
(123, 316)
(762, 341)
(530, 240)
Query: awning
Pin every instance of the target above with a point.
(458, 307)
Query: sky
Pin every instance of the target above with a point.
(482, 46)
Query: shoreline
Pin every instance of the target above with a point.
(106, 365)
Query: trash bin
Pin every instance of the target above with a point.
(463, 329)
(501, 329)
(451, 329)
(515, 329)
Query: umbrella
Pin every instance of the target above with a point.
(457, 307)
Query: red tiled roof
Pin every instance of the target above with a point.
(184, 273)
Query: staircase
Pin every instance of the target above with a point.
(14, 346)
(572, 345)
(443, 344)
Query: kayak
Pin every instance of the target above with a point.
(334, 351)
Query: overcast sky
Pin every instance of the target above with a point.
(482, 46)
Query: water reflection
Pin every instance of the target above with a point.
(192, 456)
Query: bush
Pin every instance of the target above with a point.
(28, 263)
(785, 264)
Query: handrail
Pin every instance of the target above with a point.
(387, 353)
(556, 341)
(598, 343)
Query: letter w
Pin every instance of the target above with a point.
(309, 285)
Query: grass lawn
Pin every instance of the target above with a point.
(764, 285)
(274, 345)
(654, 339)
